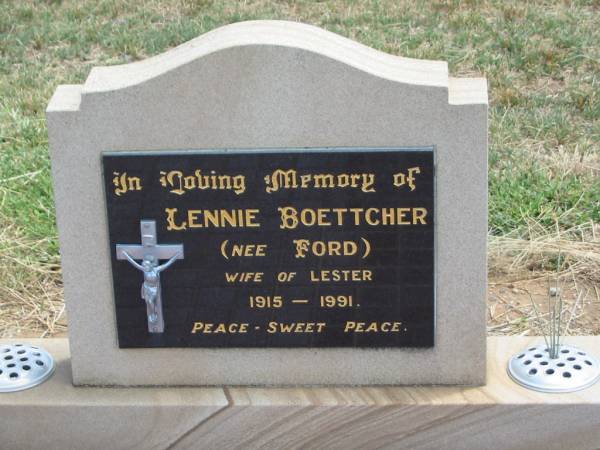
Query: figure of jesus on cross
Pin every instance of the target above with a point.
(150, 253)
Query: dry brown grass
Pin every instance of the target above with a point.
(31, 299)
(511, 309)
(516, 256)
(523, 268)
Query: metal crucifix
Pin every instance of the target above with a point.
(150, 253)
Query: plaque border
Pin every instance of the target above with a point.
(282, 150)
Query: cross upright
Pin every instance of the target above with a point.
(149, 252)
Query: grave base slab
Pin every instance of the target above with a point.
(499, 415)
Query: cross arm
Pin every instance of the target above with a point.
(164, 251)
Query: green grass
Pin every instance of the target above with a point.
(541, 60)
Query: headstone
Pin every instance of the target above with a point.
(273, 204)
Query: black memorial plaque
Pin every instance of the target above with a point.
(282, 248)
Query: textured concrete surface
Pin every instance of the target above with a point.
(500, 415)
(56, 415)
(273, 84)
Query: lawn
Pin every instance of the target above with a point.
(542, 61)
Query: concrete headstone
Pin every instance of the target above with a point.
(237, 101)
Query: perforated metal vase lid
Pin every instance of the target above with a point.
(23, 366)
(572, 370)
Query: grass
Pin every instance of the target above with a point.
(542, 61)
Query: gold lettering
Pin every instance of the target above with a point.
(400, 179)
(289, 219)
(326, 275)
(247, 250)
(212, 217)
(343, 180)
(419, 215)
(295, 327)
(229, 217)
(172, 179)
(224, 182)
(325, 217)
(349, 326)
(178, 183)
(369, 217)
(356, 212)
(321, 217)
(215, 218)
(197, 327)
(372, 327)
(171, 225)
(251, 217)
(368, 182)
(219, 328)
(402, 212)
(301, 247)
(124, 183)
(340, 215)
(288, 179)
(189, 182)
(281, 179)
(324, 181)
(308, 217)
(239, 184)
(387, 216)
(192, 218)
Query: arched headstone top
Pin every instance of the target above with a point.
(265, 34)
(269, 33)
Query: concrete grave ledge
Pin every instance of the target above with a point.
(500, 415)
